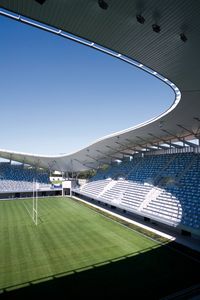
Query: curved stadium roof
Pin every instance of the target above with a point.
(170, 58)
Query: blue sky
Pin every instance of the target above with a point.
(58, 96)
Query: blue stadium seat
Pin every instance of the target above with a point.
(162, 187)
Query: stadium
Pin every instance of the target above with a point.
(132, 229)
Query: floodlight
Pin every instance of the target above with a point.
(40, 1)
(140, 19)
(103, 4)
(156, 28)
(183, 37)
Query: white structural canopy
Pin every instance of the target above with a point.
(172, 55)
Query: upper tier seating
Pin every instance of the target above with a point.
(16, 178)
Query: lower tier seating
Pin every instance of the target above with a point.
(165, 188)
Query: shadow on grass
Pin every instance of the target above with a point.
(151, 274)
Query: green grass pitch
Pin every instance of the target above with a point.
(68, 237)
(75, 249)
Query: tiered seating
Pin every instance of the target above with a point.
(114, 194)
(149, 168)
(188, 191)
(15, 177)
(94, 188)
(178, 178)
(165, 207)
(180, 162)
(117, 170)
(134, 195)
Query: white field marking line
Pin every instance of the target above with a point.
(176, 250)
(26, 198)
(169, 237)
(125, 219)
(27, 210)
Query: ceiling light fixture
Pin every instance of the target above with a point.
(140, 19)
(183, 37)
(40, 1)
(156, 28)
(103, 4)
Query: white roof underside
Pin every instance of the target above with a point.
(117, 29)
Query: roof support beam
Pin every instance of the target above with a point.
(184, 128)
(138, 145)
(164, 141)
(145, 145)
(198, 130)
(181, 139)
(108, 155)
(124, 146)
(163, 147)
(189, 143)
(24, 160)
(171, 134)
(99, 161)
(92, 157)
(119, 151)
(10, 157)
(134, 149)
(85, 165)
(196, 135)
(152, 144)
(130, 148)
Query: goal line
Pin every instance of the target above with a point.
(33, 213)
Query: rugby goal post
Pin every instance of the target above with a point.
(35, 202)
